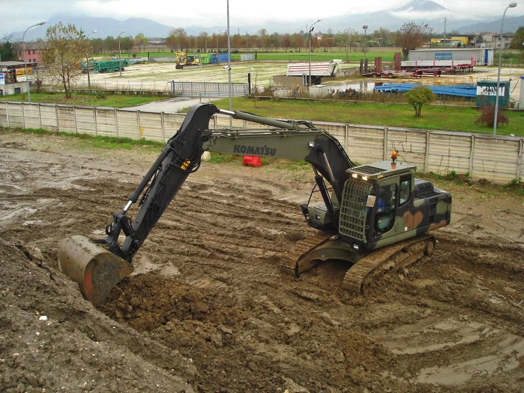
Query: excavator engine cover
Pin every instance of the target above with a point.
(93, 268)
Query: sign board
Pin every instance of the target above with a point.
(490, 91)
(2, 79)
(443, 56)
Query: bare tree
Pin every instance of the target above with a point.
(410, 36)
(65, 49)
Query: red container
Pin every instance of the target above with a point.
(253, 161)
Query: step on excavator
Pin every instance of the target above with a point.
(373, 218)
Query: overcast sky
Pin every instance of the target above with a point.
(16, 15)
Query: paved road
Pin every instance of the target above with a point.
(171, 105)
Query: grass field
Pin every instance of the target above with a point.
(303, 55)
(392, 115)
(113, 101)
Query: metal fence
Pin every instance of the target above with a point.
(499, 159)
(208, 89)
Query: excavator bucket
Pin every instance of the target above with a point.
(93, 268)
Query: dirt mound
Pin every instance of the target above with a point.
(52, 340)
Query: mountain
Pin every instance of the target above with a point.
(510, 26)
(104, 27)
(419, 11)
(421, 6)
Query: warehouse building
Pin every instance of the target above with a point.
(474, 56)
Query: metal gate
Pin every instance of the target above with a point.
(208, 89)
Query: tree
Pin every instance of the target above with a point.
(410, 36)
(418, 97)
(140, 40)
(517, 41)
(65, 48)
(177, 39)
(7, 51)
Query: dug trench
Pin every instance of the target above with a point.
(208, 308)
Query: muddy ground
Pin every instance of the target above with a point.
(209, 309)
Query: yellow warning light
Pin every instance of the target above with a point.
(394, 155)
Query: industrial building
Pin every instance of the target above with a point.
(9, 83)
(474, 56)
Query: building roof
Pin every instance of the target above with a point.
(7, 64)
(445, 49)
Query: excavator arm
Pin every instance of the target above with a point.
(98, 268)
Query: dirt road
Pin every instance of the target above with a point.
(209, 309)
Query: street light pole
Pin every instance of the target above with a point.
(87, 61)
(311, 28)
(120, 54)
(25, 62)
(365, 27)
(495, 119)
(229, 67)
(347, 39)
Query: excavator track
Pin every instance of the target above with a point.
(290, 259)
(379, 262)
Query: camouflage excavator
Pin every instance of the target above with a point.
(373, 217)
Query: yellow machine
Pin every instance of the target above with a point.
(183, 59)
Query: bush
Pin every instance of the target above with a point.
(488, 117)
(418, 97)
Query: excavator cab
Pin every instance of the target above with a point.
(383, 203)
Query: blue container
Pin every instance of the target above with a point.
(223, 57)
(214, 59)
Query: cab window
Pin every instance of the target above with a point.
(385, 208)
(405, 189)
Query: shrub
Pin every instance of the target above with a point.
(418, 97)
(487, 117)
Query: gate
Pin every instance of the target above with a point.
(208, 89)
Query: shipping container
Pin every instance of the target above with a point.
(487, 93)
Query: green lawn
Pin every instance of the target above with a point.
(81, 99)
(433, 117)
(303, 55)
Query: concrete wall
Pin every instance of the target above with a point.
(499, 159)
(12, 88)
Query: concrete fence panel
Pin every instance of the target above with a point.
(449, 152)
(498, 159)
(85, 121)
(365, 144)
(3, 115)
(151, 126)
(105, 122)
(410, 145)
(66, 119)
(128, 124)
(48, 116)
(495, 159)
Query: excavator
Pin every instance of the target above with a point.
(373, 218)
(183, 59)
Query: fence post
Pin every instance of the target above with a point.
(116, 124)
(426, 156)
(76, 120)
(519, 160)
(346, 131)
(23, 116)
(96, 121)
(40, 115)
(7, 113)
(162, 124)
(138, 122)
(385, 148)
(471, 155)
(57, 118)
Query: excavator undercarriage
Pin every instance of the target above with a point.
(374, 218)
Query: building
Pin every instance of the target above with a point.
(459, 41)
(9, 83)
(474, 56)
(31, 54)
(492, 40)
